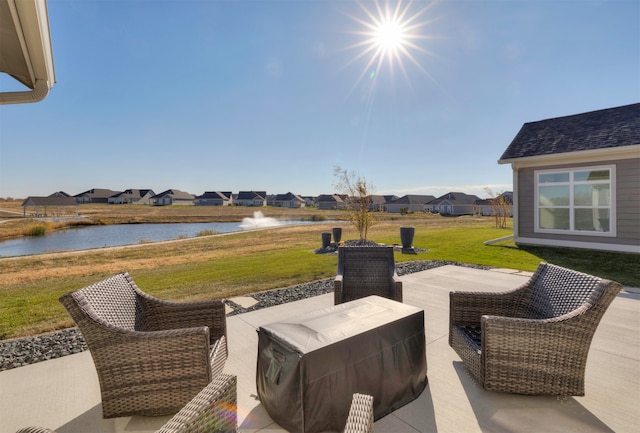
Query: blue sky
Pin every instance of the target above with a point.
(272, 95)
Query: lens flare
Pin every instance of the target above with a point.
(390, 35)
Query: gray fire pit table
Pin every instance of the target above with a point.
(308, 368)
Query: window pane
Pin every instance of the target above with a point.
(591, 175)
(554, 219)
(591, 195)
(553, 177)
(592, 219)
(554, 195)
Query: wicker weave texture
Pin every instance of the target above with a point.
(214, 409)
(360, 419)
(534, 339)
(145, 366)
(366, 271)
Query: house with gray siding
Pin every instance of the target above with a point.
(491, 206)
(132, 196)
(332, 201)
(576, 180)
(453, 203)
(409, 203)
(95, 195)
(172, 196)
(378, 203)
(289, 200)
(251, 198)
(214, 198)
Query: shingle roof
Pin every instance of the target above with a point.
(49, 201)
(612, 127)
(98, 193)
(251, 195)
(331, 198)
(413, 199)
(132, 193)
(287, 197)
(215, 195)
(175, 194)
(457, 197)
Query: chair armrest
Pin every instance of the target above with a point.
(337, 289)
(219, 355)
(360, 419)
(164, 315)
(212, 409)
(467, 308)
(527, 339)
(397, 287)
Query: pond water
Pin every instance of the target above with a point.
(127, 234)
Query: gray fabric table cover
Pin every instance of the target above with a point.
(308, 368)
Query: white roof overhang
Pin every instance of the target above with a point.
(25, 49)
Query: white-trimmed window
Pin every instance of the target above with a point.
(579, 200)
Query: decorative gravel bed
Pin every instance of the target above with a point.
(24, 351)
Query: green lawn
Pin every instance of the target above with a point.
(244, 263)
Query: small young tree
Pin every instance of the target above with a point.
(500, 206)
(358, 201)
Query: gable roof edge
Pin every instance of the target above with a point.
(621, 152)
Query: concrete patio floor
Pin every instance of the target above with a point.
(63, 394)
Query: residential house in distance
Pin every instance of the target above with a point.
(409, 203)
(310, 201)
(132, 196)
(288, 200)
(251, 198)
(171, 197)
(60, 194)
(52, 206)
(487, 207)
(576, 180)
(331, 201)
(214, 198)
(95, 195)
(453, 203)
(379, 202)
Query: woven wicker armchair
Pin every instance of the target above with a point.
(152, 356)
(534, 339)
(360, 419)
(214, 410)
(365, 271)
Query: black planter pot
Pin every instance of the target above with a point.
(406, 237)
(326, 239)
(337, 234)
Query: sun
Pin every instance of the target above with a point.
(390, 34)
